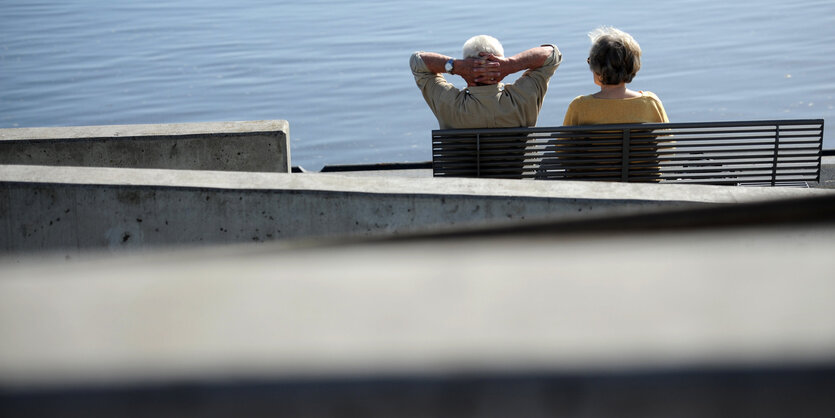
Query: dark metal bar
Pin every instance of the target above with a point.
(820, 151)
(651, 139)
(647, 126)
(624, 175)
(478, 155)
(776, 151)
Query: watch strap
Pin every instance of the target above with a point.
(449, 66)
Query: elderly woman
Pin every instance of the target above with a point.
(614, 59)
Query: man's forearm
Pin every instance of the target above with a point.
(435, 62)
(528, 60)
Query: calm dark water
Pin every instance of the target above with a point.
(338, 71)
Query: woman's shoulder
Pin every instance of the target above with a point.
(650, 95)
(583, 98)
(653, 101)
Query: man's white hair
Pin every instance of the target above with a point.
(482, 43)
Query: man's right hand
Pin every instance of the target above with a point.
(479, 70)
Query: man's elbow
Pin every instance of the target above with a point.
(550, 57)
(416, 61)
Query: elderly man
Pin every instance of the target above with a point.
(486, 102)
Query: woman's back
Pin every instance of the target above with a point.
(589, 110)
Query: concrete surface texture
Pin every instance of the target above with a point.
(827, 172)
(69, 209)
(639, 320)
(235, 146)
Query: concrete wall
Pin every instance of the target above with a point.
(233, 146)
(72, 208)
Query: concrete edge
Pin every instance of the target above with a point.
(394, 185)
(115, 131)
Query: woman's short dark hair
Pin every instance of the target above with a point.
(614, 55)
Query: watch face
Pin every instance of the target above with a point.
(448, 66)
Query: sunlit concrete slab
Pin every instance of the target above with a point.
(827, 172)
(712, 322)
(236, 146)
(73, 208)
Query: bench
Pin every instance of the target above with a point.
(769, 153)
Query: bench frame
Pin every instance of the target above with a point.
(773, 153)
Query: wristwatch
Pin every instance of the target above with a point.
(448, 65)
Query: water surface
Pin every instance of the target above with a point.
(338, 71)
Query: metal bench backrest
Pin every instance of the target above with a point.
(750, 152)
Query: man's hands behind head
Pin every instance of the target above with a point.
(483, 70)
(490, 69)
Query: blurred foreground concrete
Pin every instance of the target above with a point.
(682, 314)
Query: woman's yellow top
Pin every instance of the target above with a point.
(589, 110)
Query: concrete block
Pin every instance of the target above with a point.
(233, 146)
(827, 173)
(74, 208)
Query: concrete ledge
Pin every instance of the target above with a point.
(234, 146)
(827, 173)
(73, 208)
